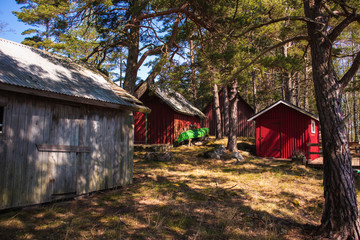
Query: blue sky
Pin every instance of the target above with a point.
(14, 28)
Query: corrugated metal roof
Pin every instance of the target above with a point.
(177, 102)
(28, 67)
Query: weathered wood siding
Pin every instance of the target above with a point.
(97, 146)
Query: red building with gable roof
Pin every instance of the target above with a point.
(171, 114)
(283, 128)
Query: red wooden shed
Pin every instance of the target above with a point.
(171, 114)
(284, 128)
(245, 111)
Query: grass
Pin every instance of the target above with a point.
(189, 197)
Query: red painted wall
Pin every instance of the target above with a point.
(283, 130)
(245, 128)
(139, 127)
(183, 123)
(163, 124)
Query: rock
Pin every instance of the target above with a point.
(221, 150)
(165, 157)
(217, 153)
(158, 156)
(237, 156)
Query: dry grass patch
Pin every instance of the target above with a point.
(189, 197)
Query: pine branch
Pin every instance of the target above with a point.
(291, 18)
(297, 38)
(351, 72)
(164, 47)
(335, 33)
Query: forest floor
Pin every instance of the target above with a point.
(189, 197)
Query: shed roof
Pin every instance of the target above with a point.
(174, 100)
(286, 104)
(46, 74)
(178, 102)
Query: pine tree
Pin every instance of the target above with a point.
(47, 17)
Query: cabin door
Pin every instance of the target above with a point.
(64, 137)
(270, 138)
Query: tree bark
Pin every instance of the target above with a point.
(218, 133)
(233, 99)
(254, 89)
(193, 77)
(306, 92)
(340, 217)
(226, 112)
(356, 119)
(288, 79)
(132, 60)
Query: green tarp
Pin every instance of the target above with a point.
(196, 133)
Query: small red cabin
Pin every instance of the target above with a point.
(171, 114)
(283, 128)
(245, 111)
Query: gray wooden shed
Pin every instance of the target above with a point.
(65, 129)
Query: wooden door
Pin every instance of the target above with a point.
(64, 137)
(270, 138)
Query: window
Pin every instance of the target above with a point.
(312, 126)
(1, 118)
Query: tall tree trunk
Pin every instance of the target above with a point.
(340, 214)
(355, 117)
(306, 92)
(288, 80)
(132, 60)
(121, 66)
(233, 99)
(254, 89)
(219, 133)
(226, 112)
(193, 77)
(298, 88)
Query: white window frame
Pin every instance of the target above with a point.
(313, 130)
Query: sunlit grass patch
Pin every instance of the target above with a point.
(189, 197)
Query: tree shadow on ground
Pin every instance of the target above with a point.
(180, 199)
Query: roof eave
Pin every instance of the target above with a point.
(286, 104)
(59, 96)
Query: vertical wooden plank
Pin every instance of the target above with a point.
(99, 158)
(59, 183)
(39, 126)
(53, 139)
(117, 151)
(6, 164)
(111, 149)
(6, 127)
(82, 158)
(93, 131)
(46, 170)
(20, 140)
(124, 149)
(74, 141)
(33, 135)
(106, 149)
(130, 156)
(66, 165)
(102, 154)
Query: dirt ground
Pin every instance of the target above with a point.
(189, 197)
